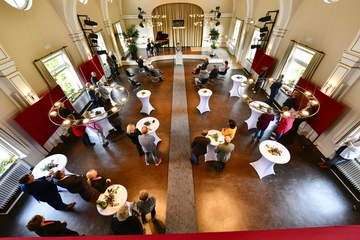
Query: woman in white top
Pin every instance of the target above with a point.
(347, 150)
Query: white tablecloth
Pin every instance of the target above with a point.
(205, 95)
(265, 165)
(237, 79)
(255, 113)
(59, 159)
(211, 155)
(120, 196)
(144, 96)
(102, 120)
(154, 125)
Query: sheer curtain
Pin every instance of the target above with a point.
(191, 35)
(284, 59)
(12, 144)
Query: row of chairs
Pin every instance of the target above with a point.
(213, 77)
(131, 78)
(148, 73)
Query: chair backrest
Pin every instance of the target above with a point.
(204, 80)
(197, 70)
(214, 73)
(129, 74)
(224, 72)
(134, 83)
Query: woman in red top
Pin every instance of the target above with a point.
(80, 131)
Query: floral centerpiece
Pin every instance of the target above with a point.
(274, 150)
(143, 93)
(147, 123)
(215, 136)
(109, 199)
(49, 166)
(204, 91)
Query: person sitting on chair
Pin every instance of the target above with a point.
(213, 74)
(140, 63)
(196, 70)
(223, 69)
(156, 73)
(205, 64)
(204, 76)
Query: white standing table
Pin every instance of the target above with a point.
(237, 79)
(144, 96)
(205, 95)
(152, 124)
(265, 165)
(102, 120)
(255, 113)
(120, 199)
(58, 159)
(211, 155)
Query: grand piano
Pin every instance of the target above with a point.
(161, 40)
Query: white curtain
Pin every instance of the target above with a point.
(12, 144)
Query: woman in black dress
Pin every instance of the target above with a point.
(44, 228)
(96, 181)
(133, 133)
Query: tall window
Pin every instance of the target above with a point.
(235, 33)
(101, 46)
(121, 37)
(60, 68)
(254, 41)
(296, 64)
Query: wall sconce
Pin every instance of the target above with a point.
(88, 22)
(264, 29)
(331, 1)
(141, 13)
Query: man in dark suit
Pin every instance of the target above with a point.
(73, 183)
(43, 190)
(199, 147)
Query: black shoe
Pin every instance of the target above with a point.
(105, 144)
(153, 219)
(191, 161)
(141, 154)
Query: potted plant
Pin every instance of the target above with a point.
(131, 35)
(214, 36)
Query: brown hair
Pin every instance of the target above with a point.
(143, 195)
(24, 179)
(232, 124)
(34, 223)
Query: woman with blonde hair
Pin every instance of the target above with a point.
(133, 133)
(96, 181)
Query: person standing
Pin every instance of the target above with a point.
(261, 78)
(148, 144)
(123, 224)
(113, 117)
(133, 133)
(43, 190)
(80, 131)
(91, 94)
(44, 228)
(94, 80)
(347, 150)
(113, 58)
(292, 101)
(96, 181)
(73, 183)
(223, 153)
(178, 48)
(231, 130)
(285, 123)
(263, 122)
(97, 128)
(146, 205)
(150, 47)
(199, 147)
(111, 64)
(275, 88)
(104, 92)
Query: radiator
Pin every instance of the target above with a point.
(351, 170)
(9, 186)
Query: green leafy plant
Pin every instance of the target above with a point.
(214, 36)
(131, 35)
(3, 165)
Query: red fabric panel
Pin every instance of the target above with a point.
(34, 120)
(329, 108)
(93, 65)
(318, 233)
(260, 60)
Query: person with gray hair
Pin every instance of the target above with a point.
(100, 88)
(123, 224)
(148, 144)
(146, 205)
(223, 153)
(263, 123)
